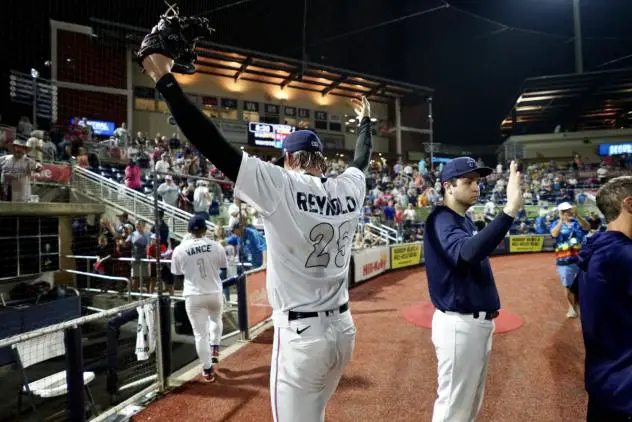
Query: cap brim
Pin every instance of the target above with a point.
(484, 171)
(481, 171)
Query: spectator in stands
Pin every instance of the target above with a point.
(123, 221)
(202, 199)
(254, 245)
(602, 174)
(49, 149)
(163, 229)
(34, 146)
(107, 229)
(389, 214)
(235, 213)
(25, 127)
(122, 135)
(152, 250)
(541, 225)
(169, 191)
(140, 240)
(163, 166)
(409, 216)
(16, 173)
(569, 232)
(174, 143)
(82, 159)
(132, 176)
(103, 264)
(123, 249)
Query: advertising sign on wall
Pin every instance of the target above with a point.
(259, 308)
(53, 173)
(518, 244)
(406, 255)
(371, 262)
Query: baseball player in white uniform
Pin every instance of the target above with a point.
(200, 260)
(310, 222)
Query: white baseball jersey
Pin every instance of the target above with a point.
(146, 333)
(16, 174)
(310, 223)
(199, 260)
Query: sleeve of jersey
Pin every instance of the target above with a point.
(175, 264)
(355, 180)
(222, 262)
(260, 184)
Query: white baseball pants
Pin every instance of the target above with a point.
(308, 358)
(462, 344)
(205, 314)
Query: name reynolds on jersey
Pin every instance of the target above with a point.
(199, 249)
(324, 205)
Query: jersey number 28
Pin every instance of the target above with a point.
(322, 234)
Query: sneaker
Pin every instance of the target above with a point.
(571, 313)
(208, 375)
(215, 354)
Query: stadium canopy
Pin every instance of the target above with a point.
(572, 103)
(236, 63)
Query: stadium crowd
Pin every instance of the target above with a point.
(398, 195)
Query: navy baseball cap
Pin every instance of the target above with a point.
(460, 166)
(302, 140)
(197, 223)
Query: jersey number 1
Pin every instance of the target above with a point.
(201, 267)
(322, 234)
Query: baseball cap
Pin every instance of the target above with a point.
(564, 206)
(460, 166)
(197, 223)
(302, 140)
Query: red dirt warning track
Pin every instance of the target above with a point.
(536, 371)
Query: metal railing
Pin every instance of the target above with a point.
(137, 204)
(389, 236)
(82, 341)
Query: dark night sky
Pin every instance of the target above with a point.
(475, 68)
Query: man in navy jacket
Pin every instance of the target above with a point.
(604, 286)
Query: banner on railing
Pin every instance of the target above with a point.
(53, 173)
(371, 262)
(259, 308)
(406, 255)
(528, 243)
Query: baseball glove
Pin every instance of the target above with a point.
(175, 37)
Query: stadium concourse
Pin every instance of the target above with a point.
(536, 371)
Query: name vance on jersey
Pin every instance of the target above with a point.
(199, 249)
(325, 206)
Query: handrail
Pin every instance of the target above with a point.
(122, 197)
(148, 199)
(382, 232)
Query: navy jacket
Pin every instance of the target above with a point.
(605, 297)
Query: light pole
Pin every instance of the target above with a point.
(579, 61)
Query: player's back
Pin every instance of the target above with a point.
(199, 260)
(310, 223)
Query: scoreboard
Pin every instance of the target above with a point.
(267, 134)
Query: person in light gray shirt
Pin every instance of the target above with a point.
(169, 191)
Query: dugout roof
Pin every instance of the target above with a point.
(236, 63)
(576, 102)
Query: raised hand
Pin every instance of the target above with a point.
(362, 108)
(514, 191)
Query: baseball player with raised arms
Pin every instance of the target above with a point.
(462, 286)
(309, 221)
(200, 260)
